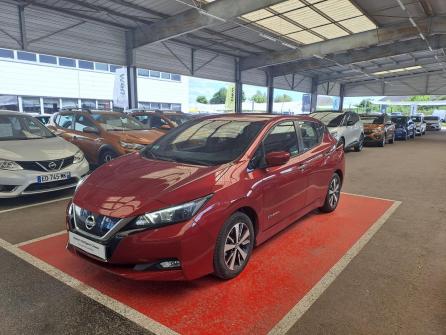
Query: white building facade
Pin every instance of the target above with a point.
(37, 83)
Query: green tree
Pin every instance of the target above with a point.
(259, 97)
(202, 99)
(420, 98)
(219, 97)
(283, 98)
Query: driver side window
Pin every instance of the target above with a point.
(283, 137)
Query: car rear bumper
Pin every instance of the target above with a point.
(24, 182)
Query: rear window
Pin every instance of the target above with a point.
(432, 118)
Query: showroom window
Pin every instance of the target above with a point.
(283, 137)
(50, 105)
(166, 106)
(70, 103)
(9, 102)
(155, 74)
(47, 59)
(83, 64)
(176, 107)
(144, 105)
(155, 105)
(175, 77)
(165, 75)
(143, 72)
(88, 104)
(113, 68)
(31, 104)
(104, 105)
(28, 56)
(101, 66)
(69, 62)
(5, 53)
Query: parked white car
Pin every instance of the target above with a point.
(432, 122)
(346, 127)
(420, 124)
(34, 160)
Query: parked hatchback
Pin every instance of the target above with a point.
(432, 122)
(346, 127)
(200, 198)
(420, 124)
(102, 136)
(404, 127)
(34, 160)
(378, 128)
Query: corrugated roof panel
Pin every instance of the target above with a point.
(330, 31)
(358, 24)
(287, 6)
(307, 17)
(257, 15)
(254, 77)
(10, 24)
(338, 9)
(278, 25)
(304, 37)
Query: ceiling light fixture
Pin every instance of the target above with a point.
(289, 45)
(401, 5)
(268, 37)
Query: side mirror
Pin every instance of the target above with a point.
(165, 127)
(276, 158)
(90, 130)
(350, 123)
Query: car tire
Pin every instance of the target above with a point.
(392, 140)
(360, 145)
(341, 142)
(383, 142)
(106, 156)
(333, 194)
(231, 246)
(406, 136)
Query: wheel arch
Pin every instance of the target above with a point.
(252, 214)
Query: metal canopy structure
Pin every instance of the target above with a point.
(333, 47)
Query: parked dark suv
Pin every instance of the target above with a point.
(404, 127)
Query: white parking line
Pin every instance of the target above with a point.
(310, 298)
(40, 238)
(367, 196)
(33, 205)
(116, 306)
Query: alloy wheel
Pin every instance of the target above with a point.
(333, 192)
(237, 246)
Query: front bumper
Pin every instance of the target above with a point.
(137, 255)
(373, 137)
(24, 182)
(433, 126)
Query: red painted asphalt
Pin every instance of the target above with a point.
(278, 276)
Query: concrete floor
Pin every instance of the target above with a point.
(396, 285)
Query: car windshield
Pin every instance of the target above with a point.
(372, 119)
(179, 119)
(399, 120)
(329, 119)
(432, 118)
(205, 142)
(117, 122)
(22, 127)
(416, 118)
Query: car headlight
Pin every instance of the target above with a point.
(78, 157)
(171, 215)
(9, 165)
(132, 146)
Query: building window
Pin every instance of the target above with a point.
(28, 56)
(166, 106)
(143, 73)
(70, 103)
(104, 105)
(165, 75)
(69, 62)
(88, 104)
(144, 105)
(9, 102)
(83, 64)
(5, 53)
(155, 105)
(113, 68)
(176, 107)
(50, 105)
(154, 74)
(175, 77)
(48, 59)
(31, 104)
(101, 66)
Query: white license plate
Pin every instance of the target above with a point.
(87, 245)
(53, 177)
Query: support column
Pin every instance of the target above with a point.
(238, 87)
(270, 94)
(314, 84)
(23, 38)
(132, 72)
(341, 96)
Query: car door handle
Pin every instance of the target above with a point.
(302, 167)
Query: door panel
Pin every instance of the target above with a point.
(87, 142)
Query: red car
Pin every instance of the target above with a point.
(200, 198)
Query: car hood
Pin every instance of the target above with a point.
(132, 185)
(139, 136)
(37, 150)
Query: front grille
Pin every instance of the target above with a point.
(7, 188)
(51, 185)
(93, 223)
(47, 166)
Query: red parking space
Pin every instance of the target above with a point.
(278, 276)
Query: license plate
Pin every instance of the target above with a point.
(87, 245)
(53, 177)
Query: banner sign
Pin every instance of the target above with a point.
(120, 91)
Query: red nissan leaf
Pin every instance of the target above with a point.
(199, 199)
